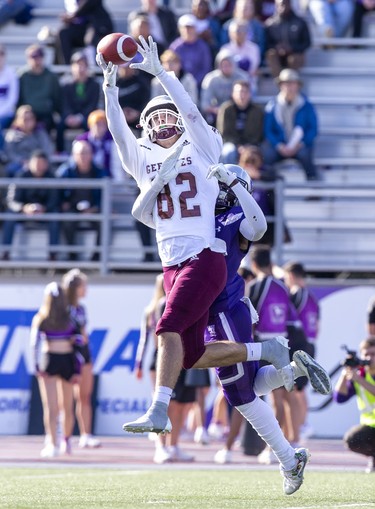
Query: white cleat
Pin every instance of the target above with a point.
(267, 457)
(293, 479)
(88, 442)
(145, 424)
(49, 451)
(317, 375)
(162, 456)
(201, 436)
(178, 455)
(223, 457)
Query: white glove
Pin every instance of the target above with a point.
(169, 169)
(109, 71)
(149, 52)
(221, 173)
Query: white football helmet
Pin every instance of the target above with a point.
(153, 119)
(226, 198)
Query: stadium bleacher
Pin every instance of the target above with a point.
(338, 77)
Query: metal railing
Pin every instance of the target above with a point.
(114, 216)
(335, 232)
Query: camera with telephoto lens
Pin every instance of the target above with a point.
(352, 360)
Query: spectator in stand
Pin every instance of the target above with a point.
(208, 26)
(217, 85)
(240, 121)
(359, 381)
(244, 11)
(246, 53)
(9, 90)
(10, 10)
(194, 52)
(80, 200)
(287, 38)
(84, 23)
(331, 17)
(290, 125)
(140, 26)
(40, 87)
(361, 8)
(264, 9)
(251, 160)
(222, 9)
(163, 25)
(80, 94)
(134, 94)
(101, 141)
(23, 137)
(171, 62)
(33, 202)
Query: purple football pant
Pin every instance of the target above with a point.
(191, 287)
(237, 380)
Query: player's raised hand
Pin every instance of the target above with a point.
(149, 52)
(170, 167)
(109, 70)
(221, 173)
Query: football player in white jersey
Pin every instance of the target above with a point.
(184, 213)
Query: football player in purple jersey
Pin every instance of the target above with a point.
(231, 318)
(184, 218)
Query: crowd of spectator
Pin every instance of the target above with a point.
(220, 54)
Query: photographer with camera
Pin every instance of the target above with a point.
(358, 378)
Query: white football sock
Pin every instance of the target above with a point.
(162, 394)
(260, 415)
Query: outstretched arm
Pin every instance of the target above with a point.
(254, 226)
(143, 207)
(205, 137)
(126, 143)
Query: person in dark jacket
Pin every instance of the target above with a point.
(240, 122)
(40, 87)
(287, 38)
(84, 25)
(33, 201)
(80, 96)
(80, 200)
(162, 20)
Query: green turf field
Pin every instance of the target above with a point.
(75, 488)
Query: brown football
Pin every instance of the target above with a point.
(117, 48)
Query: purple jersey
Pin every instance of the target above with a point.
(229, 317)
(308, 312)
(227, 229)
(270, 297)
